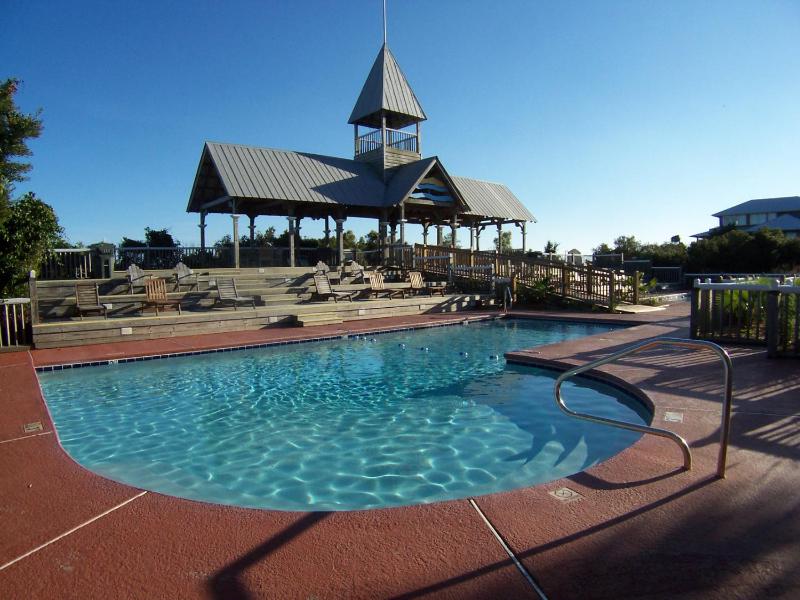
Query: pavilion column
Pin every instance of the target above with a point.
(328, 229)
(382, 234)
(478, 231)
(499, 237)
(524, 237)
(252, 231)
(425, 227)
(453, 230)
(471, 238)
(393, 235)
(340, 241)
(235, 219)
(402, 223)
(439, 234)
(202, 227)
(292, 257)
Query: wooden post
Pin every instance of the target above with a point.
(425, 234)
(419, 138)
(453, 229)
(340, 241)
(589, 281)
(773, 321)
(328, 229)
(694, 312)
(438, 234)
(382, 233)
(637, 279)
(252, 231)
(563, 281)
(292, 256)
(612, 301)
(355, 143)
(524, 237)
(202, 227)
(235, 219)
(33, 293)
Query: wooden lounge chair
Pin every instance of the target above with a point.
(156, 295)
(228, 294)
(87, 299)
(377, 286)
(357, 271)
(325, 290)
(136, 277)
(418, 285)
(185, 276)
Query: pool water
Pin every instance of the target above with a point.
(394, 419)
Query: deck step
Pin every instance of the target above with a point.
(313, 319)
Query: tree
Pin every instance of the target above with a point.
(15, 129)
(551, 247)
(603, 249)
(29, 230)
(628, 246)
(505, 242)
(447, 240)
(155, 238)
(370, 242)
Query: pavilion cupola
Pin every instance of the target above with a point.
(388, 108)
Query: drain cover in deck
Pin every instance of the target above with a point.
(673, 417)
(31, 427)
(565, 494)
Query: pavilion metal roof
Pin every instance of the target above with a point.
(386, 89)
(784, 223)
(763, 205)
(266, 179)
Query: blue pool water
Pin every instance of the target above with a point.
(400, 418)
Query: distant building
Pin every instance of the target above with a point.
(764, 213)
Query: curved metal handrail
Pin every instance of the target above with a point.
(692, 344)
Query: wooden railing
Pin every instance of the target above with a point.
(748, 312)
(218, 257)
(15, 323)
(399, 140)
(68, 263)
(575, 282)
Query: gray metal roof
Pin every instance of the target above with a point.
(763, 205)
(250, 172)
(784, 223)
(386, 89)
(492, 200)
(265, 180)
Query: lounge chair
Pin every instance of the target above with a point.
(136, 277)
(228, 294)
(87, 299)
(418, 285)
(185, 276)
(325, 290)
(377, 286)
(156, 295)
(324, 269)
(357, 271)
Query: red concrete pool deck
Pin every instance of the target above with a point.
(642, 528)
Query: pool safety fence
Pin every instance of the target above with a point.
(748, 312)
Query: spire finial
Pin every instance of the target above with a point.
(384, 22)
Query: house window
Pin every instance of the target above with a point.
(733, 220)
(758, 218)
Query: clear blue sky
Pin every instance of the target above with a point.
(605, 118)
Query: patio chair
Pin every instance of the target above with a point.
(185, 276)
(377, 286)
(324, 269)
(418, 285)
(136, 277)
(87, 300)
(357, 271)
(325, 290)
(156, 295)
(228, 294)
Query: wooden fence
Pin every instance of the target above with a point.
(748, 313)
(586, 284)
(15, 323)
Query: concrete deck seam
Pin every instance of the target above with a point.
(71, 531)
(511, 555)
(25, 437)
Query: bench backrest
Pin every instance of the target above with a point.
(226, 288)
(323, 284)
(155, 289)
(322, 268)
(183, 271)
(87, 294)
(135, 273)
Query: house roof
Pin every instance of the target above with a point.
(264, 180)
(386, 89)
(763, 205)
(784, 223)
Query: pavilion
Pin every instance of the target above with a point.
(387, 179)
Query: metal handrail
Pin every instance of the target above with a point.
(692, 344)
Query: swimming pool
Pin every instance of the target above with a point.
(360, 422)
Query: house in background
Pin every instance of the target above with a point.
(764, 213)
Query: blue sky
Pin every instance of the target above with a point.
(605, 119)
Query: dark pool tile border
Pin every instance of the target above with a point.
(115, 361)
